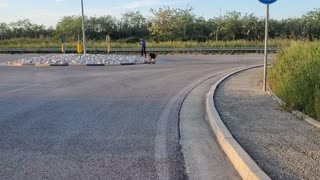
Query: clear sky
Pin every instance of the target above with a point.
(48, 12)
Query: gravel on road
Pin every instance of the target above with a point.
(284, 146)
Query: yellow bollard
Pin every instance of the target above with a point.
(63, 48)
(109, 48)
(79, 48)
(63, 42)
(108, 39)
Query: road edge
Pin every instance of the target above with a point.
(243, 163)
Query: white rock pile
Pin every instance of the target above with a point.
(82, 59)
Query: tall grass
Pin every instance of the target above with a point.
(55, 43)
(295, 77)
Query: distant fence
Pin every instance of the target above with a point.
(217, 50)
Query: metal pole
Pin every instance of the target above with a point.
(266, 50)
(83, 31)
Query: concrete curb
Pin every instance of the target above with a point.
(95, 65)
(296, 113)
(275, 97)
(245, 166)
(17, 64)
(42, 65)
(59, 64)
(127, 64)
(50, 65)
(77, 65)
(307, 118)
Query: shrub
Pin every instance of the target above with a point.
(295, 77)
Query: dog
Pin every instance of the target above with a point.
(152, 58)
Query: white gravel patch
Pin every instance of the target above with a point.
(82, 59)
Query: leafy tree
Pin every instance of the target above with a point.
(312, 24)
(252, 27)
(200, 29)
(134, 24)
(5, 31)
(71, 26)
(98, 28)
(171, 24)
(163, 24)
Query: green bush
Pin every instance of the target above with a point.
(295, 77)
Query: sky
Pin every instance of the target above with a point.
(48, 12)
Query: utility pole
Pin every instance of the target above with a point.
(83, 31)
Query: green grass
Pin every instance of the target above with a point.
(295, 77)
(55, 43)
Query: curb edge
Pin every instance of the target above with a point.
(61, 65)
(242, 162)
(299, 114)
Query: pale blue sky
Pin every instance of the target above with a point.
(48, 12)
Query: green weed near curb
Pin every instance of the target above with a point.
(295, 77)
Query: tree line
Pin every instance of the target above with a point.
(170, 24)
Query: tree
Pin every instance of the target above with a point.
(5, 31)
(217, 27)
(252, 27)
(134, 24)
(98, 28)
(70, 26)
(163, 24)
(171, 24)
(200, 29)
(312, 24)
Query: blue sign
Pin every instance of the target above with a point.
(267, 1)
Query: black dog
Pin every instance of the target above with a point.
(152, 58)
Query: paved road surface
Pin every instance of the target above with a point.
(117, 122)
